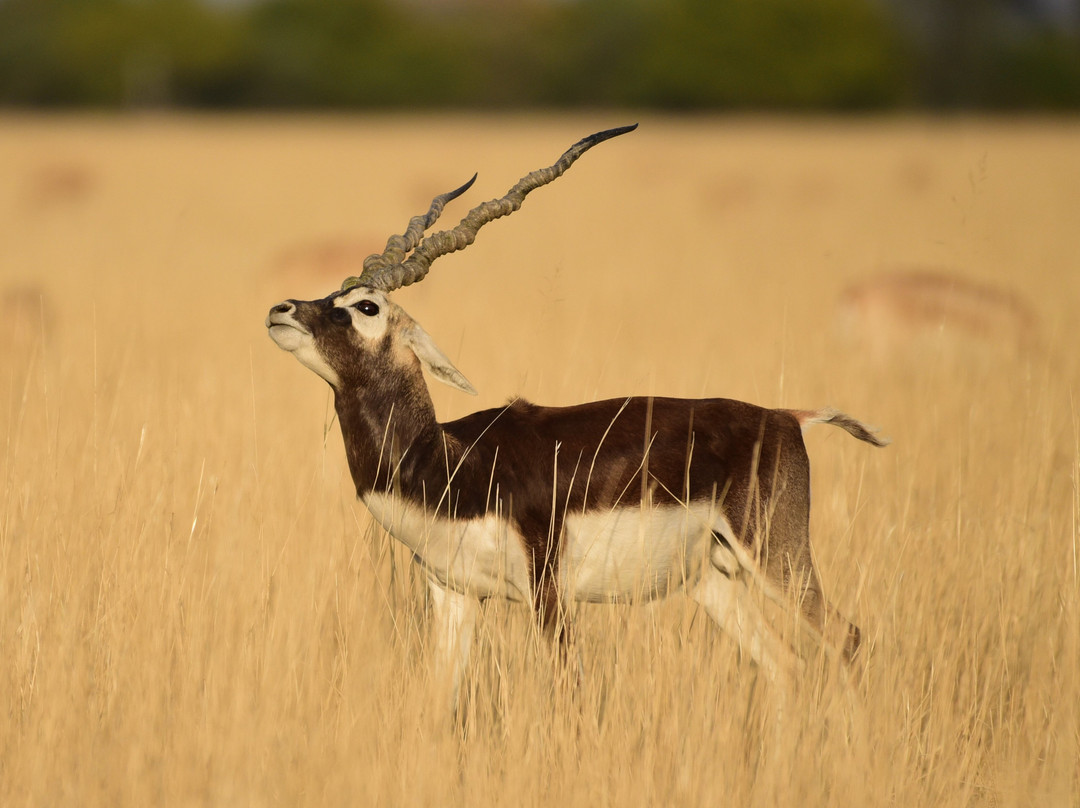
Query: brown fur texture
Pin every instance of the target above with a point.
(536, 464)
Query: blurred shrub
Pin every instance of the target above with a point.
(691, 54)
(117, 52)
(1041, 71)
(773, 53)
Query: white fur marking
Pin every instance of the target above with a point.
(735, 608)
(291, 337)
(370, 328)
(636, 553)
(481, 557)
(631, 554)
(454, 625)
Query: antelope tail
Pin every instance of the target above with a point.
(853, 427)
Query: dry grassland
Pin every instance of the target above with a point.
(194, 609)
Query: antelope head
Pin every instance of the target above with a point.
(358, 336)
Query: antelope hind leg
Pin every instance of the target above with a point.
(728, 600)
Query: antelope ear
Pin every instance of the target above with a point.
(421, 344)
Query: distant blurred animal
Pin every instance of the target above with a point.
(911, 312)
(312, 263)
(56, 183)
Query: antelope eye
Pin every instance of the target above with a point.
(368, 307)
(340, 316)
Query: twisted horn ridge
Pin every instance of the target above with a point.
(388, 271)
(397, 246)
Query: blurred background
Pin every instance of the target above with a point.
(488, 54)
(865, 203)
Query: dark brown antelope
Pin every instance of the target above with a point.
(621, 500)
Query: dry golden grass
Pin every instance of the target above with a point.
(194, 609)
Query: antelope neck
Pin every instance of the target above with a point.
(381, 424)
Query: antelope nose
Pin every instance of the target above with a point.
(288, 307)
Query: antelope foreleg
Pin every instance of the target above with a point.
(453, 624)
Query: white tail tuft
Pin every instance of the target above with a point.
(852, 426)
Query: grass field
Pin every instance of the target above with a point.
(195, 610)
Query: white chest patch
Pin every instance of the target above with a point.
(629, 554)
(482, 557)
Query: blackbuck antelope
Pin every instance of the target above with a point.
(621, 500)
(921, 312)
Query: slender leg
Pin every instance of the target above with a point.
(732, 606)
(837, 634)
(453, 624)
(553, 620)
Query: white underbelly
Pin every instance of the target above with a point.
(635, 554)
(483, 557)
(627, 554)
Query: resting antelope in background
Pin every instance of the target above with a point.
(926, 312)
(620, 500)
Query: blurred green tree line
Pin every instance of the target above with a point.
(681, 54)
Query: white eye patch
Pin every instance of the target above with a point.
(359, 293)
(369, 310)
(373, 315)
